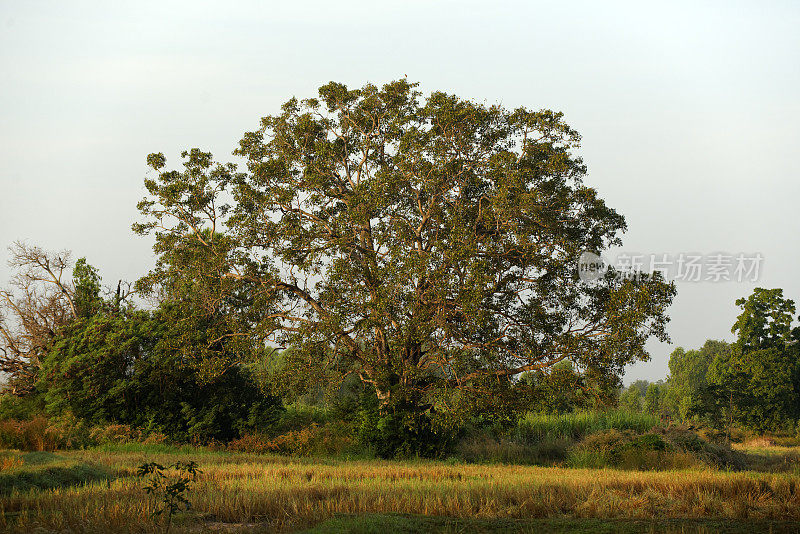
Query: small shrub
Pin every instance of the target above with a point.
(787, 441)
(294, 442)
(334, 439)
(21, 408)
(628, 450)
(155, 438)
(650, 442)
(299, 416)
(102, 435)
(717, 454)
(67, 432)
(401, 431)
(169, 487)
(72, 432)
(257, 443)
(327, 440)
(687, 440)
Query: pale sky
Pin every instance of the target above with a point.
(689, 112)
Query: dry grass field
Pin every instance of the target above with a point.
(98, 491)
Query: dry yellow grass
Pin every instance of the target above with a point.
(287, 493)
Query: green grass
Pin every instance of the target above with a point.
(533, 428)
(46, 471)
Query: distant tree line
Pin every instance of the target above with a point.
(752, 383)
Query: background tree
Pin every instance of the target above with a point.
(756, 383)
(688, 371)
(430, 244)
(632, 397)
(652, 399)
(765, 321)
(39, 302)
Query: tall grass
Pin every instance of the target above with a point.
(42, 434)
(534, 428)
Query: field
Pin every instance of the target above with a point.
(98, 491)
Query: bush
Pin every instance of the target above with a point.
(21, 408)
(298, 416)
(662, 448)
(33, 435)
(400, 431)
(327, 440)
(717, 454)
(67, 432)
(627, 450)
(132, 369)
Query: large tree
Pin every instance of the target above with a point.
(765, 321)
(430, 244)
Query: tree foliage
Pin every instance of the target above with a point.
(145, 369)
(71, 346)
(765, 321)
(688, 370)
(427, 245)
(40, 301)
(756, 383)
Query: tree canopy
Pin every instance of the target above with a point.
(428, 243)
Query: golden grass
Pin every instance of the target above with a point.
(287, 493)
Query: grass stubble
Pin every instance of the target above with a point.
(263, 493)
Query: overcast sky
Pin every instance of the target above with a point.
(690, 113)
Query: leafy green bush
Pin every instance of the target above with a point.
(298, 415)
(626, 449)
(714, 453)
(133, 369)
(662, 448)
(400, 431)
(21, 408)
